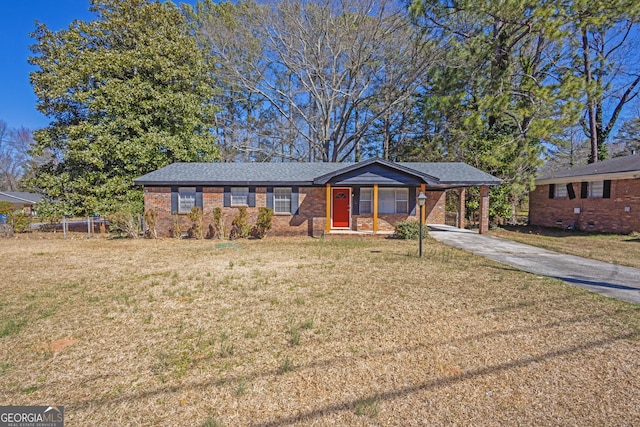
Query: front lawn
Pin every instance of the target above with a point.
(304, 332)
(613, 248)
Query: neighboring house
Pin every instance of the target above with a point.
(311, 198)
(21, 200)
(602, 196)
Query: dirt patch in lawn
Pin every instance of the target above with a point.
(306, 332)
(56, 346)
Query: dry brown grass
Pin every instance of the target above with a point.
(613, 248)
(306, 332)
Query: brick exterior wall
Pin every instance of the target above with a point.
(618, 214)
(159, 199)
(310, 220)
(436, 207)
(483, 225)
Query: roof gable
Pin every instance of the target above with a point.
(376, 171)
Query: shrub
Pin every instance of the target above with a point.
(216, 228)
(5, 207)
(264, 222)
(196, 227)
(49, 212)
(409, 230)
(240, 227)
(19, 221)
(124, 223)
(176, 231)
(150, 217)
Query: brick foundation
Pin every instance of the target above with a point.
(618, 214)
(310, 220)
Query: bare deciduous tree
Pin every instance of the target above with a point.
(326, 71)
(14, 155)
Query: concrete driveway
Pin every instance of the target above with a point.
(608, 279)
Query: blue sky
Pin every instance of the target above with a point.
(17, 20)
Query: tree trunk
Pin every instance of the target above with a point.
(591, 107)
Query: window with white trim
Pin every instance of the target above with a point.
(186, 199)
(393, 200)
(561, 191)
(282, 200)
(596, 189)
(402, 200)
(366, 200)
(239, 196)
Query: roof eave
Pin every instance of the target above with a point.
(455, 184)
(439, 185)
(165, 183)
(589, 177)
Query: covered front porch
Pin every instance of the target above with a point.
(343, 215)
(372, 196)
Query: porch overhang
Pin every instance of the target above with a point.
(376, 171)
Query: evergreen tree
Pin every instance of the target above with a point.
(498, 97)
(126, 93)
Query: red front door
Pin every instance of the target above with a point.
(341, 203)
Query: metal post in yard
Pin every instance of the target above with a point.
(420, 250)
(421, 201)
(64, 226)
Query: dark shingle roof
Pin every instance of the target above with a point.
(237, 173)
(20, 197)
(618, 165)
(298, 173)
(454, 173)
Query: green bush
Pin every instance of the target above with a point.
(264, 222)
(19, 221)
(409, 230)
(240, 227)
(5, 207)
(49, 212)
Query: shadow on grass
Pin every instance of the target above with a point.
(444, 382)
(352, 404)
(587, 283)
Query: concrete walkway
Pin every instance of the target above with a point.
(608, 279)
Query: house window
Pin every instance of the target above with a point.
(596, 189)
(561, 191)
(393, 200)
(402, 200)
(366, 200)
(282, 200)
(239, 196)
(187, 199)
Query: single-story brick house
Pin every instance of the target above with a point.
(21, 200)
(602, 196)
(311, 198)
